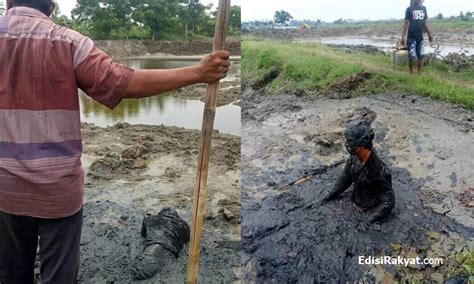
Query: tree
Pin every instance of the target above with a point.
(2, 8)
(469, 15)
(440, 16)
(235, 20)
(60, 19)
(192, 15)
(465, 17)
(101, 17)
(170, 19)
(158, 16)
(282, 17)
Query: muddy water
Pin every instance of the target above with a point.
(386, 45)
(165, 109)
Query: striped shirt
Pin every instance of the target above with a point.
(42, 65)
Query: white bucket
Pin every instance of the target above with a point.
(399, 57)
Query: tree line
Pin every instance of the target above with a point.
(144, 19)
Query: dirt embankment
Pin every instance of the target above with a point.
(126, 48)
(133, 170)
(229, 88)
(229, 92)
(426, 143)
(448, 36)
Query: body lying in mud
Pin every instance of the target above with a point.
(133, 173)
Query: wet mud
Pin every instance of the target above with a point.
(134, 172)
(287, 235)
(452, 35)
(229, 92)
(369, 49)
(459, 62)
(350, 84)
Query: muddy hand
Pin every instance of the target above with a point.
(213, 67)
(363, 225)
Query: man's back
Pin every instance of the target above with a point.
(43, 65)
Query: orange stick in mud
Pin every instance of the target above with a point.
(200, 191)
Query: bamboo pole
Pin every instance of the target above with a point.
(200, 190)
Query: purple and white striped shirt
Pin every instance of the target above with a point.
(42, 65)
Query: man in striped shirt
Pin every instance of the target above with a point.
(42, 65)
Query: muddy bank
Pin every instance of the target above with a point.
(229, 92)
(134, 170)
(127, 48)
(459, 36)
(427, 143)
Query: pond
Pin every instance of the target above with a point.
(163, 109)
(386, 45)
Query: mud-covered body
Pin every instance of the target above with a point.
(372, 186)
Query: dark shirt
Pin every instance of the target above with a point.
(416, 15)
(372, 186)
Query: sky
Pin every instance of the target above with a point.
(331, 10)
(67, 5)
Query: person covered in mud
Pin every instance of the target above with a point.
(42, 180)
(372, 179)
(416, 22)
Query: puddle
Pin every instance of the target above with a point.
(165, 109)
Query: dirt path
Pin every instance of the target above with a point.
(427, 143)
(133, 170)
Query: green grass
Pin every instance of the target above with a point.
(317, 67)
(463, 265)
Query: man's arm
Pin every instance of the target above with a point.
(343, 183)
(406, 24)
(387, 200)
(404, 31)
(146, 83)
(428, 30)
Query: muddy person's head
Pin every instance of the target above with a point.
(45, 6)
(359, 133)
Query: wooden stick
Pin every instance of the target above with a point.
(200, 191)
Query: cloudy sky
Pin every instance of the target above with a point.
(330, 10)
(67, 5)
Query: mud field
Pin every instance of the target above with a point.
(133, 170)
(287, 235)
(229, 92)
(458, 36)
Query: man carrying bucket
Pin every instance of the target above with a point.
(416, 22)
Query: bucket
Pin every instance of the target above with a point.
(399, 57)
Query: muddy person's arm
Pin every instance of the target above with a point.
(343, 183)
(147, 83)
(387, 200)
